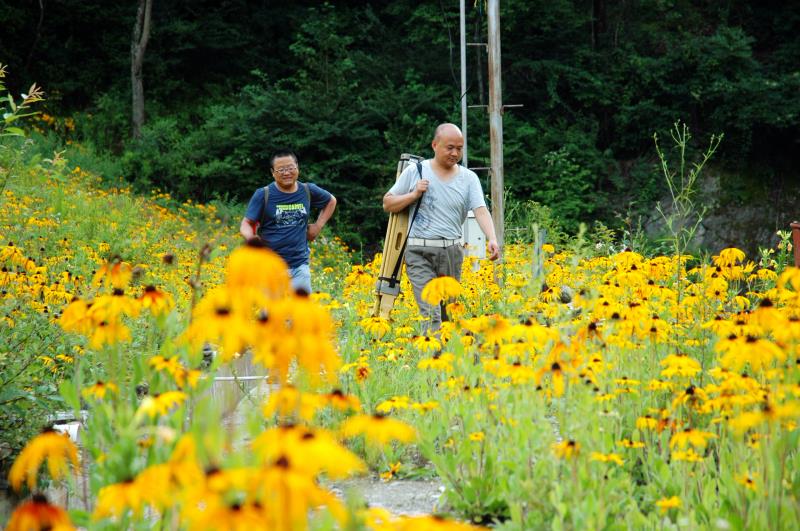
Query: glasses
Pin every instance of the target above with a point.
(285, 170)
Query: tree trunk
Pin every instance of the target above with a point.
(141, 34)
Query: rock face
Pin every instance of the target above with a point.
(743, 215)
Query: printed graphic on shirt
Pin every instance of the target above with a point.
(428, 206)
(294, 214)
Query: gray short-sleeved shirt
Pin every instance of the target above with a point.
(446, 203)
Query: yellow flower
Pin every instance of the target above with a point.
(108, 333)
(378, 429)
(627, 443)
(114, 500)
(441, 289)
(477, 436)
(158, 302)
(254, 272)
(430, 523)
(747, 480)
(396, 402)
(689, 455)
(439, 362)
(115, 272)
(689, 436)
(57, 448)
(646, 423)
(37, 514)
(606, 458)
(393, 469)
(427, 343)
(288, 401)
(376, 326)
(567, 449)
(679, 365)
(338, 400)
(99, 389)
(160, 404)
(665, 504)
(310, 450)
(729, 257)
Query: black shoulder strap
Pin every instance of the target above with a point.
(266, 205)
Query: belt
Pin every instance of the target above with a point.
(424, 242)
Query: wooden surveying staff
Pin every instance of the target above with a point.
(386, 291)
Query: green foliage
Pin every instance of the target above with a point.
(352, 86)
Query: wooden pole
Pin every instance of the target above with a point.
(496, 119)
(463, 25)
(796, 242)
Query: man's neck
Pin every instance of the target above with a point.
(292, 189)
(443, 172)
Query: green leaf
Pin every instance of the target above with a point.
(70, 393)
(13, 131)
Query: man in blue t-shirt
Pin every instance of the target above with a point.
(281, 219)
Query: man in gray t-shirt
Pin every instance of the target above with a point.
(448, 192)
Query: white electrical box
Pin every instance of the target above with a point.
(474, 240)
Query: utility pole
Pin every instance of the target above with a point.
(496, 119)
(463, 25)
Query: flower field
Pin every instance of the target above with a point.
(580, 391)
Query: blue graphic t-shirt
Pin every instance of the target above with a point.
(283, 225)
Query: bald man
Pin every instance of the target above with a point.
(447, 193)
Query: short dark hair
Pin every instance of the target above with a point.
(281, 153)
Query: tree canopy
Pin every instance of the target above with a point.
(351, 85)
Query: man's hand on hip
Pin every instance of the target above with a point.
(312, 231)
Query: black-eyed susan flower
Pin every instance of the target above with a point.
(665, 504)
(255, 272)
(378, 429)
(477, 436)
(156, 301)
(109, 333)
(567, 449)
(311, 450)
(175, 368)
(375, 326)
(56, 448)
(99, 389)
(439, 362)
(427, 343)
(391, 472)
(37, 514)
(747, 480)
(691, 437)
(395, 402)
(441, 289)
(430, 523)
(160, 404)
(689, 455)
(679, 365)
(606, 458)
(341, 401)
(646, 423)
(116, 272)
(116, 499)
(627, 443)
(288, 401)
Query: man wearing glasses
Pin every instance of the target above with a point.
(278, 215)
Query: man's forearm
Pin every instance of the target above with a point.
(397, 203)
(247, 229)
(485, 222)
(326, 213)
